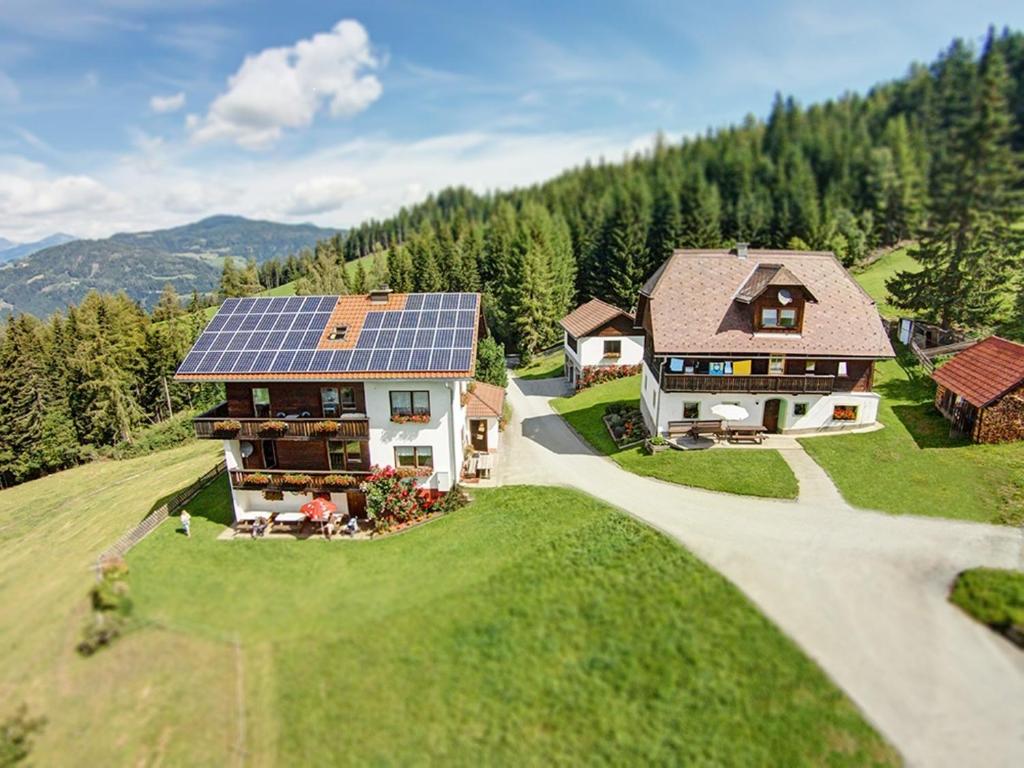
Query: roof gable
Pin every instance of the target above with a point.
(985, 372)
(485, 401)
(587, 318)
(767, 276)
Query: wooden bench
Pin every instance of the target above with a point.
(753, 434)
(696, 428)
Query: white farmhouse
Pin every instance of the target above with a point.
(788, 336)
(599, 335)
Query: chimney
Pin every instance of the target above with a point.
(741, 249)
(380, 295)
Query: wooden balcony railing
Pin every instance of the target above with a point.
(698, 382)
(238, 479)
(298, 428)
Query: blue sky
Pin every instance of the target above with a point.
(123, 115)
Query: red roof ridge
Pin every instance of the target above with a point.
(984, 372)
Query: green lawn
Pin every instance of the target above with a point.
(992, 596)
(750, 472)
(874, 277)
(914, 467)
(543, 367)
(537, 626)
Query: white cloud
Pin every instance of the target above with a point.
(9, 92)
(323, 194)
(280, 88)
(164, 104)
(25, 197)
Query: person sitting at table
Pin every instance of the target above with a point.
(352, 525)
(259, 526)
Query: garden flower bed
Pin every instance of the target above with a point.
(625, 424)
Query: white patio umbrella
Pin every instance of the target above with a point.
(730, 412)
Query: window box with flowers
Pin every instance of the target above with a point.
(410, 418)
(297, 480)
(339, 481)
(227, 427)
(273, 427)
(256, 478)
(325, 428)
(844, 413)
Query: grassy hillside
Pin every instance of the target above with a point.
(873, 278)
(535, 626)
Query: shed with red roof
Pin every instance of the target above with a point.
(981, 391)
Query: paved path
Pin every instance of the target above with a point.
(862, 593)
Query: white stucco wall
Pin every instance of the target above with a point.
(590, 351)
(668, 406)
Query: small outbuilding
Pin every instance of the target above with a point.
(981, 391)
(598, 334)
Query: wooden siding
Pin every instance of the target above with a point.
(696, 382)
(770, 300)
(291, 397)
(618, 326)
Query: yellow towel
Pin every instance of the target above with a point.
(741, 368)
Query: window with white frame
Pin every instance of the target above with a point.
(414, 456)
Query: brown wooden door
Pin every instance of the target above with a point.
(771, 414)
(478, 429)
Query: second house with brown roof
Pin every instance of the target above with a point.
(788, 336)
(599, 335)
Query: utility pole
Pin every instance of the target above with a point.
(167, 394)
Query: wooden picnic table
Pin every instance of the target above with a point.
(750, 434)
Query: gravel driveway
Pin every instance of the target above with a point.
(863, 593)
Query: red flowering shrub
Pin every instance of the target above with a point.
(392, 497)
(598, 374)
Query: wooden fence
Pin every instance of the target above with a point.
(158, 515)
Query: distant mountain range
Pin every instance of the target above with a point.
(12, 251)
(189, 257)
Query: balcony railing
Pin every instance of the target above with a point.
(698, 382)
(346, 428)
(239, 480)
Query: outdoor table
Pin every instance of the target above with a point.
(484, 464)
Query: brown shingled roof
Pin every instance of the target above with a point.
(764, 277)
(485, 401)
(591, 316)
(985, 372)
(693, 310)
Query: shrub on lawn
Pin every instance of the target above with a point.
(111, 607)
(169, 433)
(599, 374)
(16, 736)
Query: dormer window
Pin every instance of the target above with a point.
(339, 333)
(775, 317)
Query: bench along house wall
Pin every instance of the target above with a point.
(788, 336)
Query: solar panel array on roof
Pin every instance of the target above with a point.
(434, 332)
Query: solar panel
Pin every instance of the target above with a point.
(327, 304)
(283, 362)
(244, 306)
(321, 361)
(190, 363)
(238, 341)
(360, 360)
(463, 338)
(341, 359)
(409, 320)
(373, 320)
(264, 360)
(444, 338)
(440, 359)
(386, 339)
(249, 323)
(266, 322)
(446, 319)
(245, 361)
(400, 360)
(424, 339)
(467, 301)
(293, 340)
(432, 301)
(320, 320)
(294, 304)
(302, 321)
(277, 305)
(203, 342)
(419, 360)
(302, 360)
(209, 361)
(284, 322)
(460, 359)
(310, 303)
(450, 300)
(414, 301)
(216, 324)
(220, 341)
(226, 363)
(428, 319)
(405, 339)
(366, 339)
(275, 340)
(379, 360)
(255, 340)
(228, 306)
(311, 339)
(392, 319)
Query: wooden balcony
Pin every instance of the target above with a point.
(347, 428)
(238, 480)
(698, 382)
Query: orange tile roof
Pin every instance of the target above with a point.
(985, 372)
(485, 401)
(591, 316)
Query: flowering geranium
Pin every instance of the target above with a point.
(391, 497)
(598, 374)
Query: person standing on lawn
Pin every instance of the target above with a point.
(186, 522)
